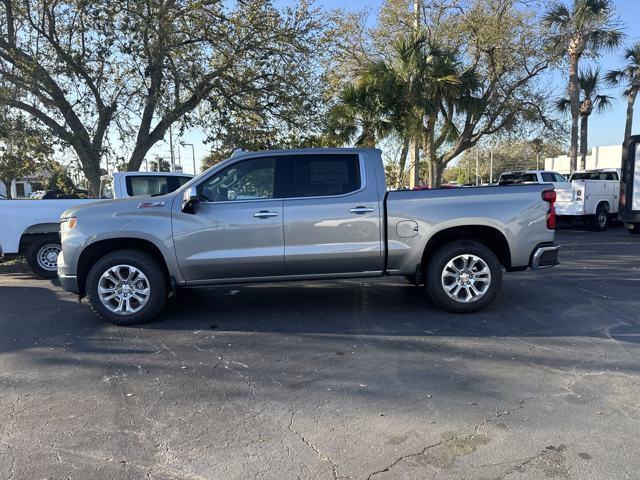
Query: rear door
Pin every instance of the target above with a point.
(332, 219)
(236, 229)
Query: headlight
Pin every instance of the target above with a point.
(67, 224)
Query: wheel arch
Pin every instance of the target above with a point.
(606, 205)
(489, 236)
(33, 232)
(99, 249)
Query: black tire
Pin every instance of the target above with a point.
(600, 221)
(145, 263)
(636, 229)
(37, 252)
(435, 267)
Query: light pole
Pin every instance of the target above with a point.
(491, 165)
(193, 156)
(173, 161)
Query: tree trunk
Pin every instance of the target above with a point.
(435, 173)
(435, 169)
(7, 186)
(574, 98)
(629, 123)
(90, 162)
(403, 163)
(584, 123)
(137, 157)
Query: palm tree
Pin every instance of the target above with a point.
(588, 26)
(355, 118)
(630, 77)
(413, 87)
(590, 99)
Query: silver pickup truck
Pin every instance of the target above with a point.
(303, 215)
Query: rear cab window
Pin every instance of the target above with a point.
(517, 178)
(323, 175)
(153, 184)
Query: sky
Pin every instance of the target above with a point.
(605, 128)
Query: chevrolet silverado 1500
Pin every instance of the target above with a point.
(303, 215)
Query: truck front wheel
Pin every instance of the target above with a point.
(42, 255)
(127, 287)
(463, 276)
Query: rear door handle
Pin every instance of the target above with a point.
(265, 214)
(360, 210)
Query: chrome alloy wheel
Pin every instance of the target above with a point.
(47, 256)
(466, 278)
(123, 289)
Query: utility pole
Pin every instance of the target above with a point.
(173, 161)
(477, 165)
(193, 156)
(491, 165)
(414, 147)
(537, 160)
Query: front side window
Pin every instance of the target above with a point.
(246, 180)
(559, 178)
(323, 175)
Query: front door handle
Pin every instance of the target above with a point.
(265, 214)
(361, 210)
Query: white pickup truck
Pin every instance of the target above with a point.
(590, 195)
(31, 227)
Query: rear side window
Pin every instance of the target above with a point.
(323, 175)
(530, 178)
(548, 177)
(559, 178)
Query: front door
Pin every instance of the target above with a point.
(332, 219)
(236, 229)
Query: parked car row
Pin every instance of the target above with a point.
(588, 196)
(310, 214)
(32, 227)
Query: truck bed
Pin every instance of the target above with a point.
(415, 217)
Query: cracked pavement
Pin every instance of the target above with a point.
(332, 380)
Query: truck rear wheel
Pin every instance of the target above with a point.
(127, 287)
(42, 255)
(600, 221)
(463, 276)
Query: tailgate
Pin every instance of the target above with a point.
(570, 198)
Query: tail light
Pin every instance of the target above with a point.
(549, 196)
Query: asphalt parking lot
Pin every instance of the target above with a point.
(333, 380)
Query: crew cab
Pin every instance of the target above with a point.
(305, 214)
(590, 196)
(31, 227)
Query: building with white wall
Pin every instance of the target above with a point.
(609, 156)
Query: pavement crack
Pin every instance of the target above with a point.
(409, 455)
(324, 457)
(452, 438)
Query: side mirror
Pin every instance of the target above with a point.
(189, 198)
